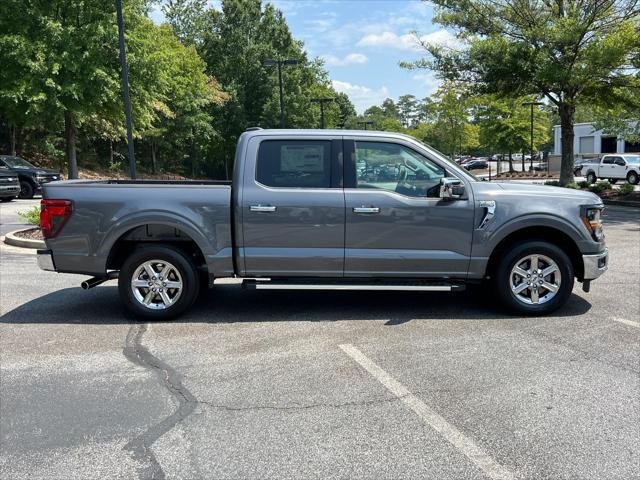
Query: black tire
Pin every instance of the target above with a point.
(26, 190)
(6, 199)
(613, 181)
(591, 177)
(502, 280)
(186, 268)
(632, 178)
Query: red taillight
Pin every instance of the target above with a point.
(53, 215)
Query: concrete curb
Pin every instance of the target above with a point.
(622, 203)
(11, 239)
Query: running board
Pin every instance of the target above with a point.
(407, 287)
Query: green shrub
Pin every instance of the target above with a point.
(600, 187)
(32, 216)
(583, 184)
(626, 189)
(553, 183)
(573, 185)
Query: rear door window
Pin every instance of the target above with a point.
(294, 163)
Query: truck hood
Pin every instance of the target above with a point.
(527, 189)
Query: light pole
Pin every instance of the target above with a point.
(270, 62)
(365, 123)
(531, 104)
(322, 101)
(125, 90)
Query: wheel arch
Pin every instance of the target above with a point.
(550, 234)
(154, 229)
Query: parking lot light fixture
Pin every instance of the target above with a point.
(269, 62)
(322, 101)
(365, 123)
(531, 104)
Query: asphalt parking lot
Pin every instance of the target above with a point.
(267, 384)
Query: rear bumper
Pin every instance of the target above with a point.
(595, 265)
(45, 260)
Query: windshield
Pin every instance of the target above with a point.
(17, 162)
(632, 158)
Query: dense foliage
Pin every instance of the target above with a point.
(568, 52)
(196, 82)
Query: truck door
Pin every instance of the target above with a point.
(292, 207)
(396, 224)
(619, 168)
(606, 169)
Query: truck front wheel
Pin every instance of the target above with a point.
(534, 278)
(632, 178)
(158, 282)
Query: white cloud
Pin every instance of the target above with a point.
(428, 81)
(408, 41)
(361, 96)
(351, 59)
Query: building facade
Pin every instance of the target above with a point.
(589, 142)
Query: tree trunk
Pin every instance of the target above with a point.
(523, 160)
(70, 136)
(510, 162)
(153, 156)
(12, 131)
(110, 152)
(194, 160)
(567, 112)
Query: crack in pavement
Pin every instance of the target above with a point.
(140, 447)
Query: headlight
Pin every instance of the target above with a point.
(592, 219)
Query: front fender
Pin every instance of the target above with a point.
(486, 242)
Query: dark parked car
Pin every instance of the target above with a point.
(476, 165)
(9, 186)
(31, 178)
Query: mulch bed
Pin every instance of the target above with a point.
(614, 195)
(30, 234)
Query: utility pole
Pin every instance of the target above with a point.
(125, 91)
(322, 101)
(531, 104)
(365, 123)
(279, 63)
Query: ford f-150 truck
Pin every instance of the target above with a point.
(325, 209)
(620, 166)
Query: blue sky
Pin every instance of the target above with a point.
(362, 42)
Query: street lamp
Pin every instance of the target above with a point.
(125, 90)
(524, 104)
(365, 123)
(267, 62)
(322, 101)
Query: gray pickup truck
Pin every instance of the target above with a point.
(326, 209)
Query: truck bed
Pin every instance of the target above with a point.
(105, 211)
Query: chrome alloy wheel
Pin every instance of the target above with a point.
(156, 284)
(535, 279)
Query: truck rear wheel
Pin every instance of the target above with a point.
(534, 278)
(591, 177)
(158, 282)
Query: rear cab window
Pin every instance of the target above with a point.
(294, 163)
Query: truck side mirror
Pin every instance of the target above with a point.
(451, 188)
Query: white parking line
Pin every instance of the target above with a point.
(454, 436)
(631, 323)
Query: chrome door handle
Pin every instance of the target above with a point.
(262, 208)
(366, 210)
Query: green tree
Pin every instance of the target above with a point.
(505, 125)
(408, 109)
(567, 51)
